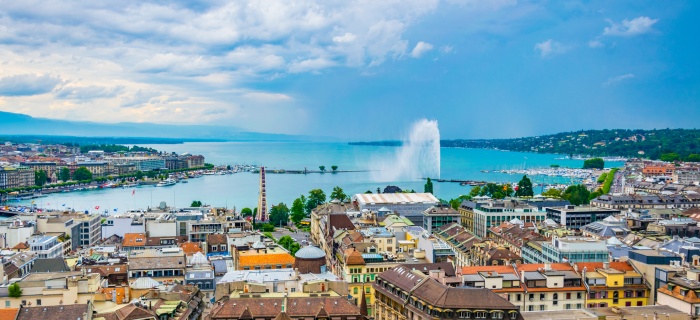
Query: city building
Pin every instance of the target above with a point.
(167, 263)
(403, 293)
(278, 281)
(409, 205)
(16, 177)
(55, 289)
(611, 313)
(682, 292)
(142, 163)
(121, 225)
(613, 284)
(200, 273)
(247, 307)
(565, 249)
(656, 201)
(46, 246)
(460, 242)
(438, 216)
(262, 257)
(609, 227)
(82, 311)
(686, 176)
(494, 213)
(575, 217)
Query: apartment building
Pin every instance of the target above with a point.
(613, 284)
(167, 263)
(494, 213)
(46, 246)
(54, 289)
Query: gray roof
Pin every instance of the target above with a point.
(310, 252)
(50, 265)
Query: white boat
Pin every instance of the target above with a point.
(166, 183)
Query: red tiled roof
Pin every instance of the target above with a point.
(134, 240)
(536, 266)
(591, 266)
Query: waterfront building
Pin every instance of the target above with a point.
(46, 246)
(51, 168)
(575, 217)
(16, 177)
(437, 216)
(409, 205)
(98, 169)
(403, 293)
(142, 163)
(613, 284)
(656, 170)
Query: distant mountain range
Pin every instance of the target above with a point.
(610, 142)
(15, 124)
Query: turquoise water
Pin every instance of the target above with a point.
(241, 189)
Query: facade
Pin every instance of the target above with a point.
(16, 177)
(410, 205)
(46, 246)
(438, 216)
(54, 289)
(657, 201)
(573, 249)
(686, 177)
(84, 230)
(168, 263)
(459, 240)
(682, 292)
(494, 213)
(279, 281)
(199, 273)
(122, 225)
(613, 284)
(403, 293)
(97, 168)
(51, 168)
(575, 217)
(142, 163)
(324, 307)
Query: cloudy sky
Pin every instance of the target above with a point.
(356, 69)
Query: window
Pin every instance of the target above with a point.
(542, 296)
(38, 302)
(464, 314)
(640, 294)
(532, 296)
(514, 315)
(367, 289)
(530, 308)
(354, 290)
(568, 295)
(578, 296)
(480, 315)
(542, 308)
(497, 315)
(7, 303)
(517, 297)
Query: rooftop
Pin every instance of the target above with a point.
(396, 198)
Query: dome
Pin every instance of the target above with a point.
(310, 252)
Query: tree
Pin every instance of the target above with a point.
(670, 157)
(552, 193)
(279, 215)
(82, 174)
(64, 174)
(139, 175)
(368, 192)
(293, 248)
(14, 290)
(285, 242)
(475, 191)
(316, 198)
(322, 168)
(196, 203)
(246, 212)
(379, 190)
(577, 194)
(338, 194)
(297, 210)
(455, 203)
(40, 178)
(524, 188)
(594, 163)
(334, 168)
(428, 188)
(693, 158)
(602, 177)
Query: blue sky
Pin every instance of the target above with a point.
(362, 69)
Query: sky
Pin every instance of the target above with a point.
(356, 69)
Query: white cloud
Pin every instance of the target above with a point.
(420, 49)
(347, 37)
(628, 28)
(447, 49)
(595, 44)
(88, 92)
(617, 79)
(550, 48)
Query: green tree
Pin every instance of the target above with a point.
(196, 203)
(64, 174)
(40, 178)
(455, 203)
(14, 291)
(334, 168)
(82, 174)
(475, 191)
(293, 248)
(139, 175)
(316, 198)
(246, 212)
(577, 194)
(322, 168)
(525, 188)
(379, 190)
(670, 157)
(279, 215)
(338, 194)
(594, 163)
(552, 193)
(285, 242)
(693, 158)
(602, 177)
(297, 209)
(151, 174)
(368, 192)
(428, 187)
(255, 212)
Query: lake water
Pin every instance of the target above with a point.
(241, 189)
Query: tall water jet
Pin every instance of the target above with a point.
(418, 157)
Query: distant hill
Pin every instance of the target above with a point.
(613, 143)
(15, 124)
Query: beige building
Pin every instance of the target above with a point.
(55, 288)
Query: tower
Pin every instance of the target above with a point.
(262, 200)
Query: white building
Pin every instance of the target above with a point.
(410, 205)
(120, 225)
(46, 246)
